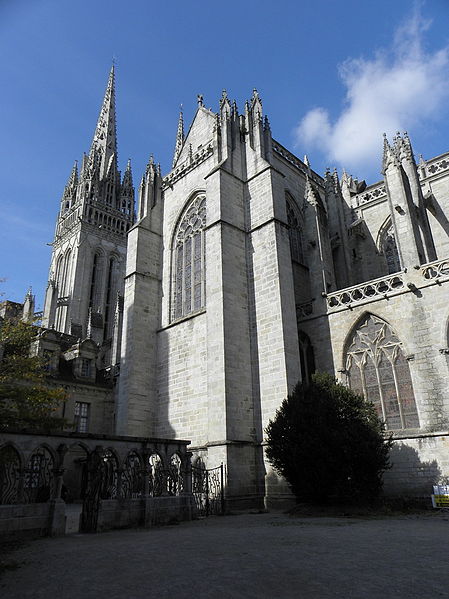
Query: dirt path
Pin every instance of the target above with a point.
(246, 556)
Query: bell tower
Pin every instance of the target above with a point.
(89, 247)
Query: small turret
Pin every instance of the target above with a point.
(69, 195)
(28, 306)
(127, 191)
(389, 156)
(149, 188)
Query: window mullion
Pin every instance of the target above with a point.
(396, 385)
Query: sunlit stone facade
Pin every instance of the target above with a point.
(246, 271)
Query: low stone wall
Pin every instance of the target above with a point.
(418, 463)
(40, 518)
(152, 511)
(120, 482)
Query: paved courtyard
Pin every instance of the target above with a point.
(245, 556)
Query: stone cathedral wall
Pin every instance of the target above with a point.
(419, 316)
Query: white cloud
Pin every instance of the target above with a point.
(399, 88)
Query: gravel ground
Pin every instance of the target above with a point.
(244, 556)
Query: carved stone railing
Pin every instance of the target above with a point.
(364, 292)
(437, 165)
(375, 192)
(304, 310)
(296, 162)
(436, 270)
(192, 162)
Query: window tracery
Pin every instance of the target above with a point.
(189, 260)
(95, 281)
(378, 370)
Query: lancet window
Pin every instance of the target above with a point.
(63, 275)
(390, 250)
(95, 282)
(295, 234)
(189, 260)
(111, 293)
(307, 357)
(378, 369)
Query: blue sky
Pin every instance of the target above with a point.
(333, 76)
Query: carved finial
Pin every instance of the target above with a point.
(389, 155)
(179, 138)
(150, 165)
(200, 100)
(255, 99)
(306, 160)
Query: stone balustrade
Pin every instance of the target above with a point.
(372, 193)
(436, 270)
(192, 162)
(366, 292)
(296, 162)
(304, 310)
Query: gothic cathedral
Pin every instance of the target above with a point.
(241, 272)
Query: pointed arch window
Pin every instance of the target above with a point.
(378, 369)
(389, 249)
(295, 234)
(307, 357)
(189, 260)
(95, 282)
(111, 295)
(63, 276)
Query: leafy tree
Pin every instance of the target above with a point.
(26, 402)
(328, 443)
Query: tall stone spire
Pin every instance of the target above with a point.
(99, 206)
(179, 138)
(104, 143)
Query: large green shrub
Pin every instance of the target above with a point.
(328, 443)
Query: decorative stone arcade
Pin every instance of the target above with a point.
(114, 481)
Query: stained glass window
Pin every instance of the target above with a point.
(378, 370)
(189, 260)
